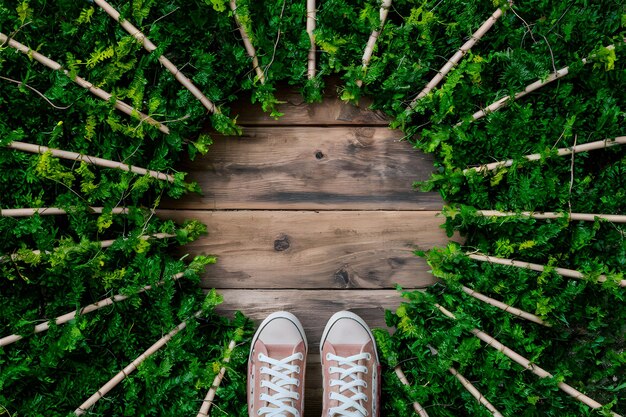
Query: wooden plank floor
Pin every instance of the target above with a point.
(312, 213)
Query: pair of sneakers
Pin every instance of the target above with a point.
(277, 362)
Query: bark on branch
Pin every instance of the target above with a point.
(82, 409)
(120, 105)
(535, 369)
(591, 146)
(210, 396)
(371, 43)
(150, 47)
(247, 43)
(87, 309)
(537, 267)
(311, 10)
(416, 406)
(452, 62)
(92, 160)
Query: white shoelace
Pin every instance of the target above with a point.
(348, 370)
(282, 384)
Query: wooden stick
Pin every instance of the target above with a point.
(247, 44)
(53, 211)
(87, 309)
(470, 388)
(371, 43)
(120, 105)
(416, 406)
(130, 368)
(452, 62)
(591, 146)
(529, 89)
(588, 217)
(210, 396)
(92, 160)
(103, 244)
(537, 267)
(150, 47)
(505, 307)
(311, 11)
(540, 372)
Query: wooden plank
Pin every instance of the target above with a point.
(307, 249)
(331, 112)
(353, 168)
(313, 308)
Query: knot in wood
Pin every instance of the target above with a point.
(281, 243)
(342, 277)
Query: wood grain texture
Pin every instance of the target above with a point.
(308, 249)
(342, 168)
(331, 112)
(313, 308)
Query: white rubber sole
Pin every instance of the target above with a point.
(346, 315)
(283, 315)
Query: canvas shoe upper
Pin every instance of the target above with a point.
(276, 367)
(350, 368)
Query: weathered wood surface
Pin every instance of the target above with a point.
(313, 308)
(313, 168)
(313, 214)
(331, 112)
(308, 249)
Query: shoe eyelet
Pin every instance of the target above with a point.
(259, 356)
(366, 371)
(366, 399)
(328, 358)
(297, 396)
(297, 369)
(300, 356)
(297, 382)
(368, 356)
(365, 386)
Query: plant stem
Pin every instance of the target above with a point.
(210, 396)
(591, 146)
(537, 267)
(311, 10)
(505, 307)
(92, 160)
(540, 372)
(470, 388)
(120, 105)
(87, 309)
(371, 43)
(130, 368)
(416, 406)
(52, 211)
(588, 217)
(247, 43)
(102, 243)
(452, 62)
(150, 47)
(529, 89)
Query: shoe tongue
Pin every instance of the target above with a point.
(280, 352)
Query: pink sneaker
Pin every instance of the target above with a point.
(350, 367)
(276, 367)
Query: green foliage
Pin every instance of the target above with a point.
(53, 372)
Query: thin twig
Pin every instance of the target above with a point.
(571, 181)
(98, 92)
(19, 83)
(416, 406)
(87, 309)
(470, 388)
(92, 160)
(534, 368)
(82, 409)
(590, 146)
(210, 396)
(570, 273)
(151, 47)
